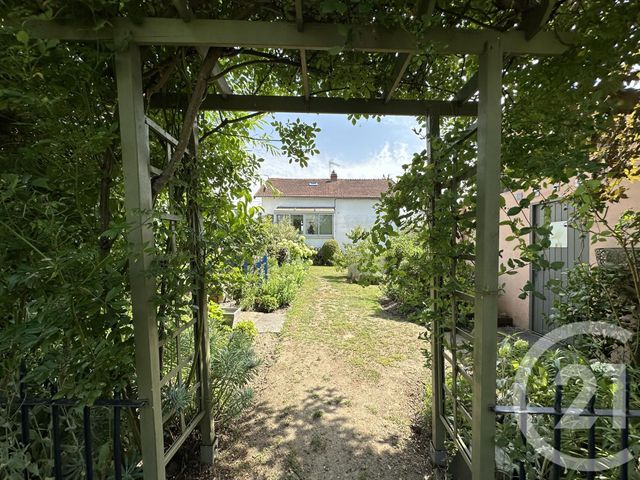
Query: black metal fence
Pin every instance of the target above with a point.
(115, 404)
(557, 412)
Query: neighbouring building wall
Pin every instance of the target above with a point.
(508, 302)
(348, 213)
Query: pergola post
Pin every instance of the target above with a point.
(486, 270)
(438, 432)
(138, 206)
(200, 296)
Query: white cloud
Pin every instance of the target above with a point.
(387, 161)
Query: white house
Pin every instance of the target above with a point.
(323, 208)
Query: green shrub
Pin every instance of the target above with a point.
(233, 365)
(275, 292)
(247, 327)
(329, 253)
(541, 391)
(404, 280)
(248, 290)
(363, 264)
(283, 243)
(267, 303)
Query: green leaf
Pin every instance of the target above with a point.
(22, 37)
(514, 211)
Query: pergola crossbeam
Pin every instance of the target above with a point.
(423, 8)
(402, 62)
(303, 53)
(468, 90)
(285, 104)
(534, 18)
(187, 15)
(316, 36)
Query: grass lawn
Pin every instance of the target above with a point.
(338, 393)
(348, 318)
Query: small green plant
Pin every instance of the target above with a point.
(317, 444)
(233, 365)
(177, 398)
(266, 303)
(317, 415)
(247, 327)
(329, 253)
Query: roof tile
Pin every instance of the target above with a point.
(323, 187)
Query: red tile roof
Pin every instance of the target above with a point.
(324, 187)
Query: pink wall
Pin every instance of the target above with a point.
(508, 301)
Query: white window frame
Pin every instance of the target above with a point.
(283, 216)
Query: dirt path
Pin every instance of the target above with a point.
(337, 395)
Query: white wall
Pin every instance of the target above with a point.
(349, 213)
(353, 212)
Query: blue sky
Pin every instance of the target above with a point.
(369, 149)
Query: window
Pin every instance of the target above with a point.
(295, 220)
(318, 224)
(309, 224)
(325, 224)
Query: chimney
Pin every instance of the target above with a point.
(334, 176)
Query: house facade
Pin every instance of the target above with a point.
(568, 245)
(322, 208)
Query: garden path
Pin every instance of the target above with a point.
(338, 396)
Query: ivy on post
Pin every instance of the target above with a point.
(139, 206)
(486, 270)
(438, 433)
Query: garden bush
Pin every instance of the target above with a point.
(591, 293)
(360, 258)
(233, 365)
(266, 303)
(397, 265)
(277, 291)
(329, 253)
(404, 280)
(541, 391)
(284, 243)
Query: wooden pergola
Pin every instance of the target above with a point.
(490, 46)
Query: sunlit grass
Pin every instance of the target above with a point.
(347, 317)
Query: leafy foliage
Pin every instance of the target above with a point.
(277, 291)
(233, 365)
(329, 253)
(541, 391)
(283, 242)
(63, 283)
(363, 265)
